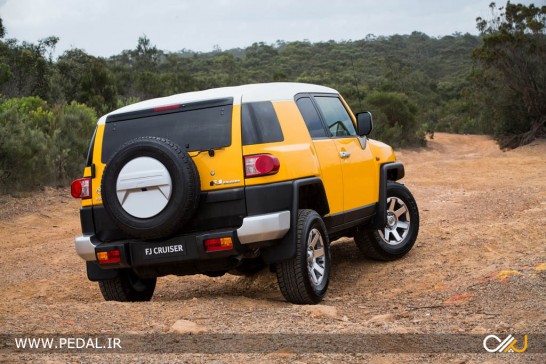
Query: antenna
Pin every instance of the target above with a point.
(356, 84)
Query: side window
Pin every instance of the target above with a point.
(311, 117)
(260, 123)
(336, 116)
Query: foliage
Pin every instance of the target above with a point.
(395, 119)
(511, 81)
(85, 79)
(39, 145)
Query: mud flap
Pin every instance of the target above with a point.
(94, 273)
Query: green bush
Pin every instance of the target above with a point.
(395, 121)
(40, 145)
(70, 142)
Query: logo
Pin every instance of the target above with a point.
(219, 182)
(507, 345)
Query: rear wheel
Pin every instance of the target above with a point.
(398, 236)
(128, 287)
(304, 279)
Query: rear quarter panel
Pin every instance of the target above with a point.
(296, 153)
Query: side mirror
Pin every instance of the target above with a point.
(364, 123)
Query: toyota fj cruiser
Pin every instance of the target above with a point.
(233, 179)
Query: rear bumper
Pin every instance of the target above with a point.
(86, 248)
(264, 227)
(134, 253)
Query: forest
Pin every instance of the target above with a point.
(493, 83)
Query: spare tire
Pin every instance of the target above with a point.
(150, 188)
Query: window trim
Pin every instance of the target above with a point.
(329, 134)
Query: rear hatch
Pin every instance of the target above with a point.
(203, 129)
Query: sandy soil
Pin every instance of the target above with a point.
(479, 267)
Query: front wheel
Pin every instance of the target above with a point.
(128, 287)
(398, 236)
(304, 278)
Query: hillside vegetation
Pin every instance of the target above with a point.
(413, 84)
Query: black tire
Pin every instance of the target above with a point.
(401, 230)
(185, 188)
(248, 267)
(295, 275)
(128, 287)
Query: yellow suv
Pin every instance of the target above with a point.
(233, 179)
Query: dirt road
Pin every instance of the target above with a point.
(479, 267)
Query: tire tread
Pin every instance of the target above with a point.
(367, 240)
(119, 289)
(292, 275)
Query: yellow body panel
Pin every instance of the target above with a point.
(330, 172)
(296, 153)
(360, 173)
(96, 197)
(382, 152)
(225, 169)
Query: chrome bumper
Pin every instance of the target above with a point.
(85, 248)
(264, 227)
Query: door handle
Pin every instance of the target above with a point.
(344, 154)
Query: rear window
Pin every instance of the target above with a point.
(194, 127)
(260, 123)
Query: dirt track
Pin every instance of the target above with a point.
(479, 266)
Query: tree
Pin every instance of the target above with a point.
(511, 81)
(395, 119)
(2, 29)
(24, 143)
(86, 79)
(24, 68)
(41, 145)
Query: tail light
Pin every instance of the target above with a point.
(218, 244)
(111, 256)
(81, 188)
(261, 165)
(167, 107)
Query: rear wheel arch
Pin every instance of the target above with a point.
(312, 196)
(309, 194)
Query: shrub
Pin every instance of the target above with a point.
(395, 120)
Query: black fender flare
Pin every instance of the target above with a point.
(286, 248)
(387, 172)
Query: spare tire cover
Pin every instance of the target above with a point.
(150, 188)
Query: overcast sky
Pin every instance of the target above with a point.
(106, 27)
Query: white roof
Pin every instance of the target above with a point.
(275, 91)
